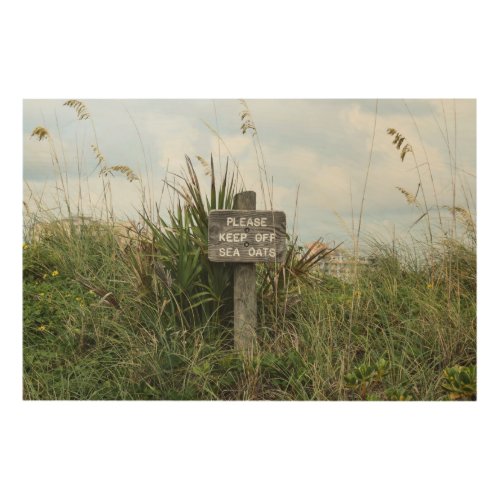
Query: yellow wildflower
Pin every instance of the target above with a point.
(430, 285)
(55, 273)
(25, 246)
(42, 328)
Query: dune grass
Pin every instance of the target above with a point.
(95, 329)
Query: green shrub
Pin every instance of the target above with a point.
(460, 382)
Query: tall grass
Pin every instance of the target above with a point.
(141, 313)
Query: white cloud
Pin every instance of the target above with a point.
(36, 158)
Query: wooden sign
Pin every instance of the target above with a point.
(246, 236)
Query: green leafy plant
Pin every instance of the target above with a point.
(360, 378)
(460, 382)
(381, 367)
(297, 268)
(398, 394)
(192, 289)
(364, 375)
(371, 377)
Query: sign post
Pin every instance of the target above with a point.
(244, 236)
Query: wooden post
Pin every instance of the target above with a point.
(245, 293)
(243, 236)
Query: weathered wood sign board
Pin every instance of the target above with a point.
(246, 236)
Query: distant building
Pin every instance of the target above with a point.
(124, 231)
(338, 263)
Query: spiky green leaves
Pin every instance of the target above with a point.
(196, 291)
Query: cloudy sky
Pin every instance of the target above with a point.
(316, 153)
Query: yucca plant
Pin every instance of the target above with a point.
(298, 268)
(200, 290)
(196, 289)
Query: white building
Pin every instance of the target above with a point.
(338, 263)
